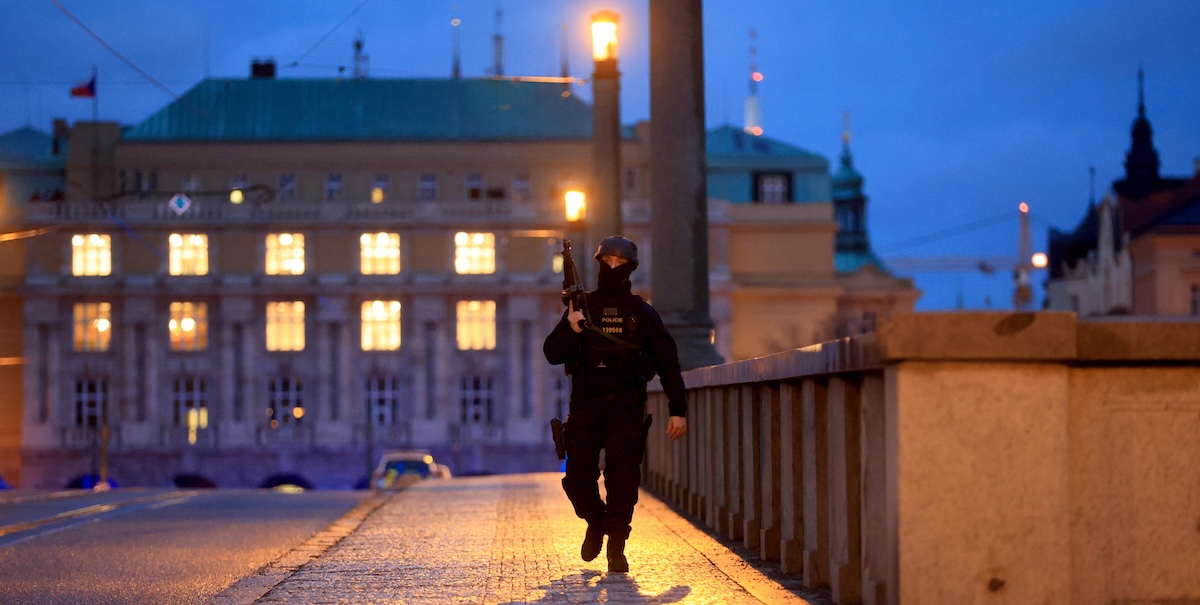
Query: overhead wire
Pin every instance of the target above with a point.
(944, 233)
(114, 51)
(327, 34)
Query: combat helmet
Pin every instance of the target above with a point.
(618, 245)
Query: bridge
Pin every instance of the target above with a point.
(947, 458)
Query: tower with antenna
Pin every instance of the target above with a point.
(362, 61)
(498, 48)
(565, 71)
(456, 62)
(753, 115)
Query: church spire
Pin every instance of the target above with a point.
(1141, 161)
(849, 202)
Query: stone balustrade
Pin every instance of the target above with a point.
(956, 458)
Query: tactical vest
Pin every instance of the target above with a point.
(606, 361)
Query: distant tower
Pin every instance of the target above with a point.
(362, 61)
(456, 66)
(565, 56)
(498, 48)
(753, 115)
(849, 202)
(1141, 161)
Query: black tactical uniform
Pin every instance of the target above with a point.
(608, 395)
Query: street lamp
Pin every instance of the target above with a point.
(575, 206)
(606, 128)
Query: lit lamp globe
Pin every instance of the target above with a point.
(604, 36)
(576, 206)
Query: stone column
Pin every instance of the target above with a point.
(679, 200)
(604, 213)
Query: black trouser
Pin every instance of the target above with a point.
(617, 426)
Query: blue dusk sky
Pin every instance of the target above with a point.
(959, 111)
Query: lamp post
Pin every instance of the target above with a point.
(606, 129)
(575, 206)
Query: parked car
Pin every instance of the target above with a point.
(403, 468)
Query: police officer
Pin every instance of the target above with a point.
(611, 350)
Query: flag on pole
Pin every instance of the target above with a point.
(87, 89)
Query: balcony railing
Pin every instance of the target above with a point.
(956, 458)
(212, 210)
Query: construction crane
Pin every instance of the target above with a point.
(1021, 265)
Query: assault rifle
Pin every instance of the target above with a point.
(572, 290)
(573, 293)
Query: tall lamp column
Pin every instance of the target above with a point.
(605, 220)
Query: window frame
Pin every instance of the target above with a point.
(279, 253)
(90, 257)
(380, 325)
(475, 325)
(178, 312)
(379, 258)
(285, 326)
(92, 326)
(475, 253)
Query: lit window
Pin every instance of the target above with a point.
(285, 326)
(190, 406)
(287, 186)
(380, 187)
(381, 325)
(383, 399)
(91, 402)
(91, 254)
(380, 253)
(427, 187)
(475, 397)
(474, 186)
(188, 254)
(285, 401)
(285, 254)
(93, 326)
(333, 187)
(476, 325)
(474, 253)
(189, 326)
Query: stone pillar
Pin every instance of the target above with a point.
(679, 200)
(814, 457)
(604, 207)
(791, 481)
(751, 463)
(845, 537)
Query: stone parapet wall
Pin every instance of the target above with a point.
(957, 458)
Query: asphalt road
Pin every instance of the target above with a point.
(151, 547)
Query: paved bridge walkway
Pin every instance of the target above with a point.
(507, 539)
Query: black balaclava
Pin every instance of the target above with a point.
(614, 280)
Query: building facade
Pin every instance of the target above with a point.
(291, 276)
(1137, 251)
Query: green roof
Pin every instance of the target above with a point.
(262, 109)
(28, 148)
(851, 261)
(729, 146)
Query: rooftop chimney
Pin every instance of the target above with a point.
(262, 69)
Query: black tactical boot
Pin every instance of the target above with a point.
(592, 541)
(616, 555)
